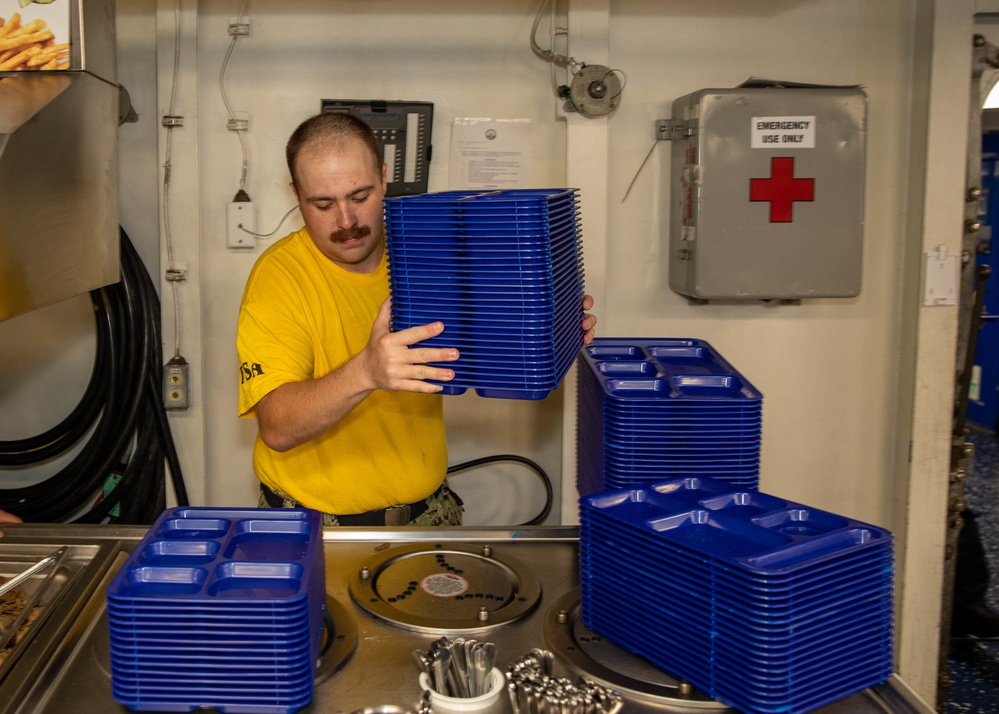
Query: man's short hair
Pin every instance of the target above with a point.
(330, 131)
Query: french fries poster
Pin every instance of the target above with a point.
(34, 35)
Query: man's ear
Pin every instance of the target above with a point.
(384, 177)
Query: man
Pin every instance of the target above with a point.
(348, 423)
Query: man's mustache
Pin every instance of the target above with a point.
(350, 233)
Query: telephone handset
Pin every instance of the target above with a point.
(402, 130)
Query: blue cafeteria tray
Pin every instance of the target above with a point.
(219, 608)
(758, 543)
(769, 586)
(656, 408)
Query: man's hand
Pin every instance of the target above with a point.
(299, 411)
(6, 517)
(393, 366)
(589, 321)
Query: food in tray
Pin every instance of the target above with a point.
(11, 605)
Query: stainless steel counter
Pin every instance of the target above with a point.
(520, 593)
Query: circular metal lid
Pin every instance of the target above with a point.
(433, 588)
(588, 654)
(334, 653)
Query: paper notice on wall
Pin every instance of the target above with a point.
(34, 35)
(490, 154)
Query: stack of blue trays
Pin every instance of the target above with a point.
(767, 605)
(219, 608)
(650, 409)
(503, 271)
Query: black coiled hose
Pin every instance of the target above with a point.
(535, 467)
(130, 445)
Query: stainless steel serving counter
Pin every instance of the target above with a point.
(521, 594)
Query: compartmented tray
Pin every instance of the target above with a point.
(656, 408)
(503, 270)
(211, 597)
(779, 597)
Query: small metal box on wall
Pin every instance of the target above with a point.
(767, 192)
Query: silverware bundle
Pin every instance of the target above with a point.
(458, 667)
(534, 689)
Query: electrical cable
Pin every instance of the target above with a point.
(119, 475)
(171, 275)
(549, 491)
(635, 178)
(280, 223)
(623, 84)
(225, 98)
(550, 55)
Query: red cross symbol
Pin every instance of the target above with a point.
(781, 189)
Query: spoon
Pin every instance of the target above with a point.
(442, 667)
(459, 668)
(479, 679)
(422, 662)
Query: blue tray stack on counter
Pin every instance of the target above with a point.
(503, 270)
(769, 606)
(220, 608)
(650, 409)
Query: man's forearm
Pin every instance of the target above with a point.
(297, 412)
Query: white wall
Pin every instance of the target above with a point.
(839, 376)
(823, 359)
(474, 64)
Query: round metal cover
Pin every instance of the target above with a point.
(586, 653)
(334, 653)
(437, 588)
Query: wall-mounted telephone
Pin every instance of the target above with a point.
(403, 132)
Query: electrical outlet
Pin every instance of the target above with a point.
(239, 224)
(176, 384)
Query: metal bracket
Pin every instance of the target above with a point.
(126, 112)
(176, 273)
(670, 130)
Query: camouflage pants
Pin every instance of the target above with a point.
(444, 508)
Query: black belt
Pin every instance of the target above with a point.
(391, 516)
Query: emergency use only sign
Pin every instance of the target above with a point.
(771, 132)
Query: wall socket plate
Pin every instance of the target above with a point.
(941, 277)
(176, 384)
(239, 218)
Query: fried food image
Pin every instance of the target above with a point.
(30, 46)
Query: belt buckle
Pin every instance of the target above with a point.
(397, 515)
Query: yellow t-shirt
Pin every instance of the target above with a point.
(302, 316)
